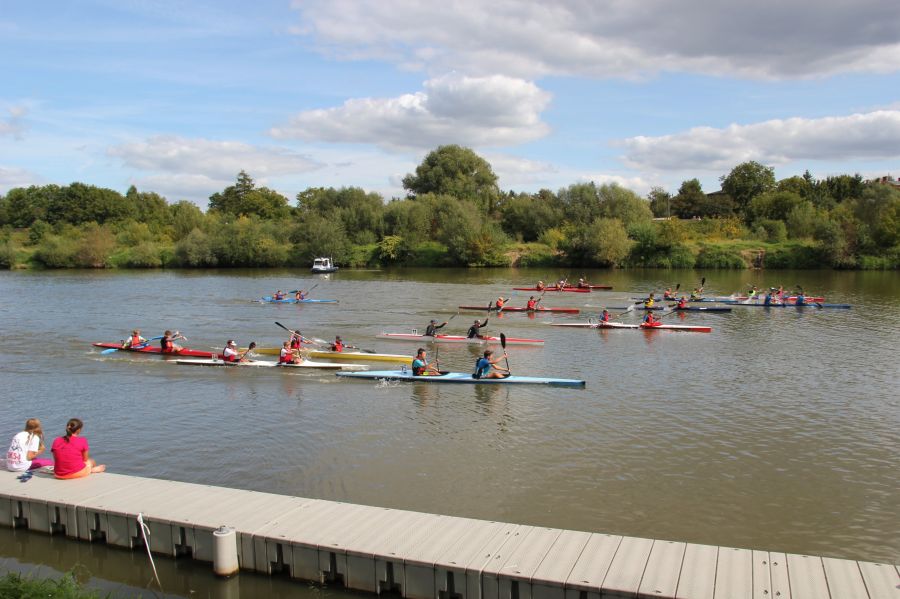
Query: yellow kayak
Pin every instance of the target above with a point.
(339, 355)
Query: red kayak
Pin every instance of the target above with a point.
(571, 289)
(519, 309)
(156, 349)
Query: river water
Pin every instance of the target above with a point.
(779, 430)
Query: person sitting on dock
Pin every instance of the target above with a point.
(473, 332)
(288, 355)
(433, 326)
(421, 367)
(338, 345)
(604, 316)
(70, 454)
(135, 340)
(648, 303)
(167, 343)
(486, 367)
(278, 295)
(25, 448)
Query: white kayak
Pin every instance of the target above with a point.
(266, 364)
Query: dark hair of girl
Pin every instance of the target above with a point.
(73, 426)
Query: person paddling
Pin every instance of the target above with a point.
(278, 296)
(532, 304)
(500, 303)
(696, 295)
(473, 332)
(486, 367)
(288, 355)
(167, 343)
(650, 320)
(300, 295)
(540, 286)
(433, 327)
(604, 316)
(801, 299)
(230, 353)
(420, 365)
(648, 303)
(668, 295)
(135, 340)
(338, 344)
(682, 303)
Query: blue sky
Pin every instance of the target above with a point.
(177, 97)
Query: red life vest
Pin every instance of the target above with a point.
(295, 342)
(531, 304)
(337, 346)
(136, 340)
(499, 302)
(285, 357)
(167, 345)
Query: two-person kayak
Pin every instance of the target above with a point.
(289, 300)
(635, 327)
(460, 378)
(518, 309)
(156, 349)
(457, 339)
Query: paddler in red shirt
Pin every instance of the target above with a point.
(682, 303)
(604, 316)
(167, 343)
(338, 345)
(650, 320)
(532, 303)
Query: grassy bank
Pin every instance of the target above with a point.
(16, 586)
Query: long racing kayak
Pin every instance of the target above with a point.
(570, 289)
(339, 355)
(635, 327)
(808, 304)
(156, 349)
(270, 300)
(687, 308)
(457, 339)
(519, 309)
(728, 299)
(460, 377)
(264, 364)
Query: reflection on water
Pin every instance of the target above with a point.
(779, 430)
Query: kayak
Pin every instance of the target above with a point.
(687, 309)
(808, 304)
(620, 325)
(729, 298)
(457, 339)
(342, 355)
(269, 300)
(519, 309)
(156, 349)
(570, 289)
(264, 364)
(460, 377)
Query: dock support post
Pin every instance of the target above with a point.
(225, 556)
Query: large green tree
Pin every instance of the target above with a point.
(746, 181)
(456, 171)
(245, 199)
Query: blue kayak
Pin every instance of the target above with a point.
(813, 305)
(459, 377)
(270, 300)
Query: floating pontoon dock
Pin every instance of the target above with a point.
(414, 554)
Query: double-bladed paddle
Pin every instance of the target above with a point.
(308, 292)
(138, 346)
(506, 357)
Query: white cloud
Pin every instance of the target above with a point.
(866, 136)
(602, 38)
(11, 177)
(14, 125)
(210, 158)
(471, 111)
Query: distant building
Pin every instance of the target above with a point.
(886, 180)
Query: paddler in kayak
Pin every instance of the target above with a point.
(486, 367)
(668, 295)
(338, 345)
(167, 343)
(421, 367)
(135, 340)
(278, 295)
(433, 327)
(696, 294)
(648, 303)
(532, 304)
(682, 303)
(473, 330)
(650, 320)
(604, 316)
(752, 293)
(288, 354)
(582, 284)
(768, 300)
(801, 299)
(561, 284)
(300, 295)
(540, 286)
(500, 303)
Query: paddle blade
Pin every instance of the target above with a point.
(111, 350)
(677, 287)
(702, 281)
(503, 340)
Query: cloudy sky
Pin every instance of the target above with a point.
(178, 96)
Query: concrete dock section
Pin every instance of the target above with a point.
(419, 555)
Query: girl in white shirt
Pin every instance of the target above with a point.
(26, 447)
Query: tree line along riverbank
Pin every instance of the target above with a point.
(456, 215)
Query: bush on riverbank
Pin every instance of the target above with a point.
(16, 586)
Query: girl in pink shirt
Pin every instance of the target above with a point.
(70, 454)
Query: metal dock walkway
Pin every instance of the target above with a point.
(420, 555)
